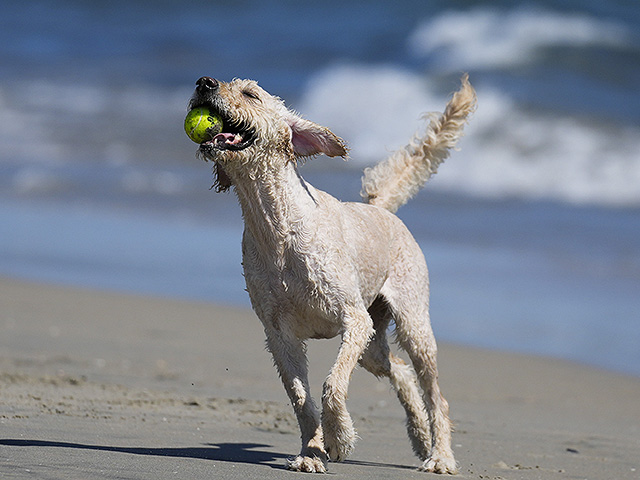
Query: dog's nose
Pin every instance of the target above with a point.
(207, 84)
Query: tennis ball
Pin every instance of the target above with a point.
(202, 125)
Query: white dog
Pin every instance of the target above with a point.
(316, 267)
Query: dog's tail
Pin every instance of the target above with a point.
(391, 183)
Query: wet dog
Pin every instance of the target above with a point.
(316, 267)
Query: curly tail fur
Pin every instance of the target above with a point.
(391, 183)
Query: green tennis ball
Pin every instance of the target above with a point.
(202, 125)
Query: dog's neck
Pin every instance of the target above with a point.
(274, 202)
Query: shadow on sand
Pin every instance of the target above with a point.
(225, 452)
(251, 453)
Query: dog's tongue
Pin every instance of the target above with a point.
(223, 139)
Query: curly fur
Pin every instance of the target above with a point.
(316, 267)
(391, 183)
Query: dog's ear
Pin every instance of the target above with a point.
(310, 139)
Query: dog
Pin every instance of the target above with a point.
(316, 267)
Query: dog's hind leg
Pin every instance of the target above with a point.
(379, 360)
(410, 309)
(421, 347)
(289, 356)
(337, 426)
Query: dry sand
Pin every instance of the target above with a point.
(104, 385)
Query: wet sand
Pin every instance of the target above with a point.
(105, 385)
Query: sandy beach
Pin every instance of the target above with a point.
(105, 385)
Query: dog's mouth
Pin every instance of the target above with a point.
(235, 135)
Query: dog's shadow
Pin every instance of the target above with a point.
(252, 453)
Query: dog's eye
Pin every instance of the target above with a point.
(250, 94)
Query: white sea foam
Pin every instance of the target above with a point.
(490, 38)
(56, 122)
(508, 151)
(23, 131)
(375, 108)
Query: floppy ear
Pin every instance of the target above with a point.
(310, 139)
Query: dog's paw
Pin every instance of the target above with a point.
(307, 464)
(440, 464)
(339, 440)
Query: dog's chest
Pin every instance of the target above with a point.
(297, 276)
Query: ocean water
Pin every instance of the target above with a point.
(531, 230)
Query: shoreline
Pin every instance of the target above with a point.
(106, 385)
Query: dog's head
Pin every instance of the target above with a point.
(257, 127)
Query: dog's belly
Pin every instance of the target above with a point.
(316, 326)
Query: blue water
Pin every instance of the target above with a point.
(531, 230)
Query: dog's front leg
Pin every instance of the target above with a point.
(289, 355)
(339, 434)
